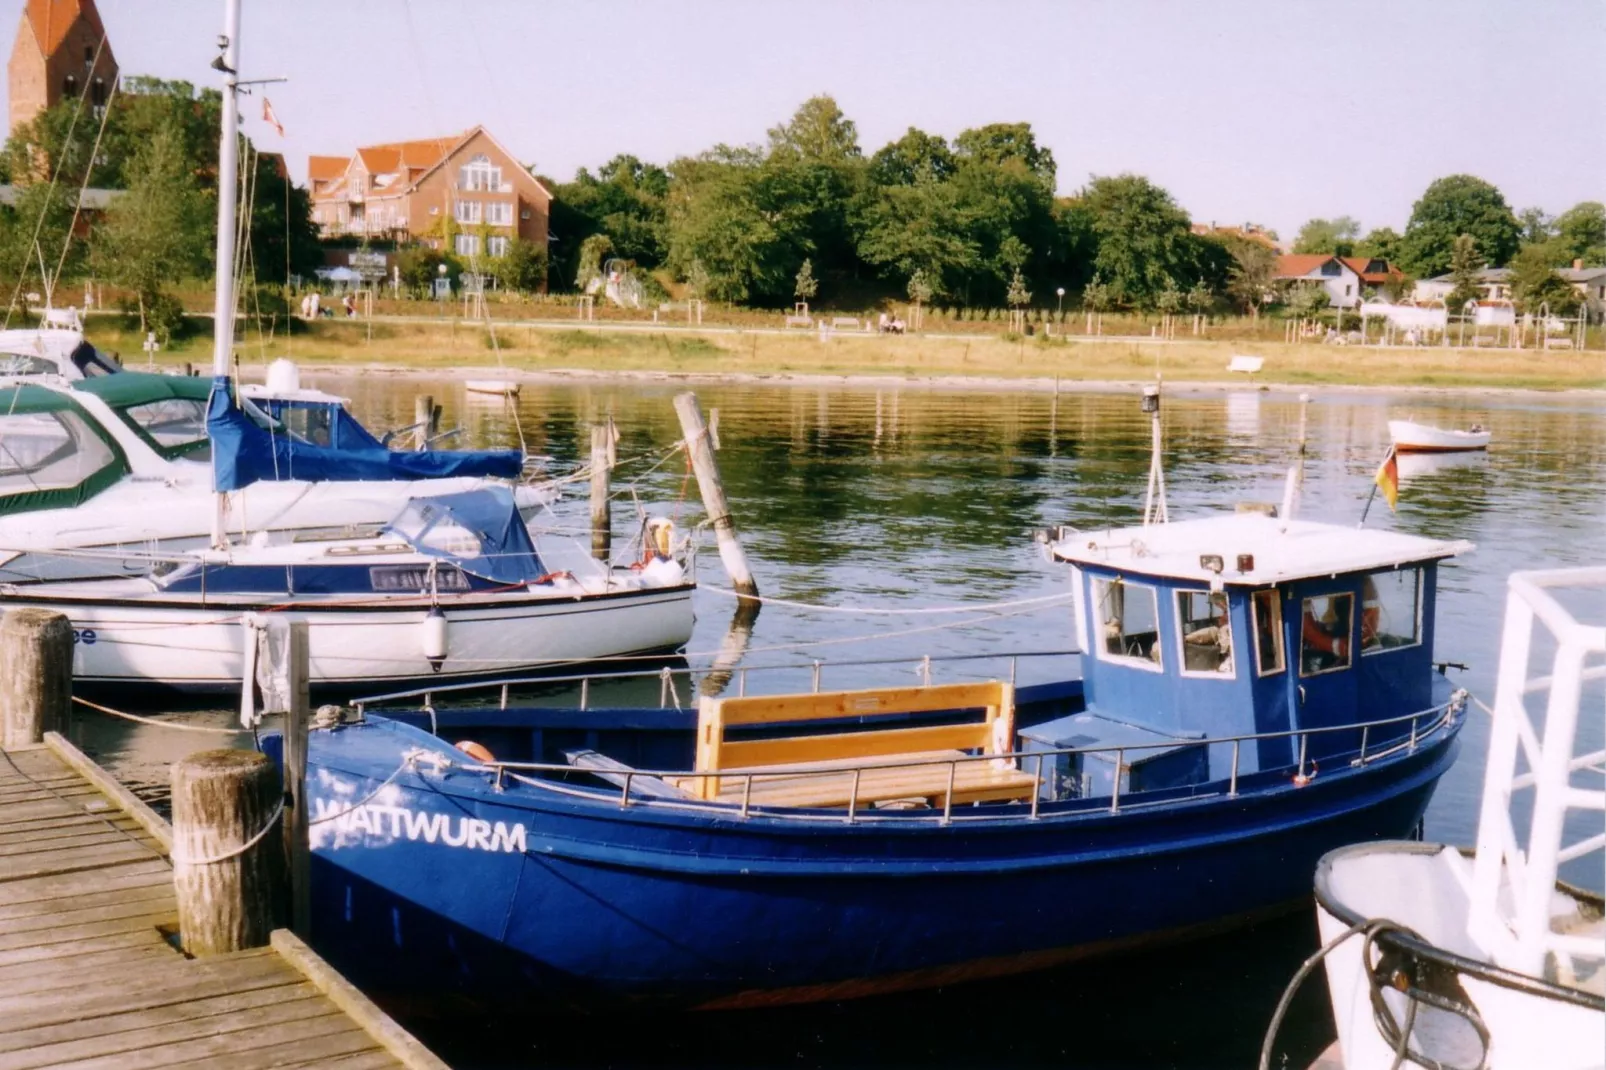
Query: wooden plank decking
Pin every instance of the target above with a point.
(88, 976)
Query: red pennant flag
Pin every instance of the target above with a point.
(1388, 479)
(270, 118)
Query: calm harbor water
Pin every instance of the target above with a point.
(916, 499)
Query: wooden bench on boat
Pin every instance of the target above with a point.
(834, 768)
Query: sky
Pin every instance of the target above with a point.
(1266, 111)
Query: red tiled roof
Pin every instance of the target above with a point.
(51, 19)
(324, 168)
(1359, 264)
(425, 153)
(1298, 265)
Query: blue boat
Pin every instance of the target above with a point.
(1255, 691)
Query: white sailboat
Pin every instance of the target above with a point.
(451, 586)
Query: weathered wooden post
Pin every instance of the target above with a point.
(601, 516)
(707, 471)
(426, 420)
(298, 849)
(35, 675)
(225, 867)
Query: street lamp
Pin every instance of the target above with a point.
(1060, 307)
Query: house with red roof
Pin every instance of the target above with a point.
(1347, 279)
(404, 190)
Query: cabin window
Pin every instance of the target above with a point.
(1129, 622)
(1391, 610)
(48, 451)
(1324, 634)
(1206, 633)
(1268, 613)
(173, 425)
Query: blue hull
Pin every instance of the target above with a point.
(445, 894)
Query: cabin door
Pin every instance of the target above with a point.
(1324, 674)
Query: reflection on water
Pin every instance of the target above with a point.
(918, 498)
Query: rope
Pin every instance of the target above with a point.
(1298, 979)
(983, 607)
(233, 852)
(159, 724)
(407, 763)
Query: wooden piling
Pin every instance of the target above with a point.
(35, 675)
(297, 847)
(601, 516)
(713, 492)
(228, 899)
(426, 420)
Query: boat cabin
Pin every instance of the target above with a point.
(1242, 624)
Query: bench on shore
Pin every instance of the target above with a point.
(859, 766)
(799, 321)
(844, 323)
(1248, 365)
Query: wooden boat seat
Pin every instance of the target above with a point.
(819, 769)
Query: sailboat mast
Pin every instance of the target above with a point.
(228, 162)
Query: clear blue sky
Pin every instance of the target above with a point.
(1271, 111)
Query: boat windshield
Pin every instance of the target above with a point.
(480, 531)
(50, 456)
(176, 426)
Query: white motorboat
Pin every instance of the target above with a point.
(55, 348)
(451, 588)
(1438, 959)
(99, 474)
(1410, 437)
(506, 388)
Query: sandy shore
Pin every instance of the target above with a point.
(989, 383)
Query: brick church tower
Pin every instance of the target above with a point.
(60, 49)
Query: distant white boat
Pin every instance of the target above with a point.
(1421, 438)
(507, 388)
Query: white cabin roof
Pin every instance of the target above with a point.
(1283, 550)
(262, 392)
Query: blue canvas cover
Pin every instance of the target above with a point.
(342, 428)
(243, 453)
(479, 531)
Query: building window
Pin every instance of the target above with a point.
(1324, 634)
(69, 86)
(89, 55)
(499, 214)
(1332, 268)
(481, 175)
(1268, 613)
(1129, 622)
(469, 211)
(468, 245)
(1206, 634)
(1391, 610)
(97, 92)
(496, 245)
(1349, 289)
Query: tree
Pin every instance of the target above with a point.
(1451, 207)
(156, 233)
(1581, 232)
(522, 268)
(1002, 143)
(748, 224)
(806, 285)
(1251, 280)
(1337, 236)
(1306, 300)
(818, 130)
(1200, 299)
(1464, 265)
(592, 253)
(915, 157)
(418, 266)
(1537, 227)
(624, 200)
(1144, 242)
(1018, 296)
(696, 280)
(1535, 284)
(920, 290)
(1381, 243)
(1168, 302)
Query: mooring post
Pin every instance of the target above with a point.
(425, 420)
(35, 675)
(601, 516)
(228, 893)
(298, 851)
(707, 471)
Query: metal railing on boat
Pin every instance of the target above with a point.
(1439, 720)
(926, 666)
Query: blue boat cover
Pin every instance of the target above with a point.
(243, 453)
(343, 429)
(479, 531)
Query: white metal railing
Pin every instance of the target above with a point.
(1424, 726)
(1513, 876)
(925, 667)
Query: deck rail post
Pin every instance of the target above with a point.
(624, 790)
(1365, 730)
(1232, 784)
(853, 796)
(1413, 733)
(585, 692)
(35, 675)
(1037, 785)
(816, 682)
(1115, 788)
(747, 792)
(1304, 741)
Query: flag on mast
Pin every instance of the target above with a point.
(270, 118)
(1388, 479)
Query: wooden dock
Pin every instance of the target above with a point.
(90, 975)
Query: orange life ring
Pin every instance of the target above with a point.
(478, 751)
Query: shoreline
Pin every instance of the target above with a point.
(991, 383)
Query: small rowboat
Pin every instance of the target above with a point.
(1420, 438)
(500, 387)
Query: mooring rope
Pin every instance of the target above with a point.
(233, 852)
(158, 724)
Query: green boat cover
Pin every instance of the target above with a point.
(52, 455)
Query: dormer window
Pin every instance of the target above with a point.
(480, 175)
(1128, 620)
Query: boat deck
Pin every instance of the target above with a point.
(91, 977)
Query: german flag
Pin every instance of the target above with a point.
(1388, 479)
